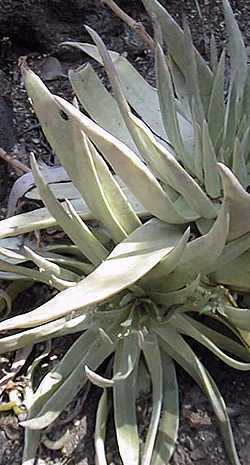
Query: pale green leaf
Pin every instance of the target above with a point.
(152, 356)
(184, 325)
(169, 423)
(238, 52)
(177, 348)
(238, 201)
(100, 428)
(128, 262)
(59, 117)
(211, 175)
(216, 110)
(175, 41)
(124, 393)
(239, 164)
(99, 103)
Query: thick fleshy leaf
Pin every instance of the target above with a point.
(140, 94)
(180, 351)
(201, 253)
(99, 103)
(159, 274)
(152, 356)
(170, 171)
(58, 117)
(72, 379)
(238, 201)
(238, 52)
(239, 164)
(167, 103)
(50, 330)
(211, 175)
(184, 325)
(216, 110)
(235, 275)
(70, 221)
(169, 423)
(240, 317)
(100, 428)
(175, 41)
(175, 297)
(128, 262)
(124, 394)
(226, 343)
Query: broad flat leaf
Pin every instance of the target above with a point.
(99, 103)
(175, 41)
(152, 356)
(169, 423)
(238, 201)
(124, 394)
(127, 263)
(70, 221)
(141, 95)
(59, 117)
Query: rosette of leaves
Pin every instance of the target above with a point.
(135, 282)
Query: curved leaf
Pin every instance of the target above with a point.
(58, 117)
(128, 262)
(238, 201)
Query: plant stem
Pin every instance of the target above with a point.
(137, 26)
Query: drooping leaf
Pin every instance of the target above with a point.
(128, 262)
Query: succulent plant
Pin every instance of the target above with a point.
(137, 279)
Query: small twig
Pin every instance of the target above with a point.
(137, 26)
(16, 164)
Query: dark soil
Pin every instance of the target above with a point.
(34, 30)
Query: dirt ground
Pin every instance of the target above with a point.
(199, 442)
